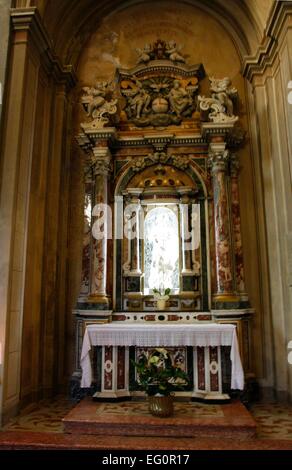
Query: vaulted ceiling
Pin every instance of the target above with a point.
(71, 22)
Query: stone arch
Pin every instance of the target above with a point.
(79, 20)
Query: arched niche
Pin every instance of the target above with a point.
(183, 193)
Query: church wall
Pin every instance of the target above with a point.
(261, 10)
(270, 83)
(34, 207)
(113, 45)
(14, 199)
(32, 321)
(4, 38)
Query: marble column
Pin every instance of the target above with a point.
(218, 164)
(102, 166)
(190, 233)
(88, 206)
(236, 227)
(186, 235)
(133, 216)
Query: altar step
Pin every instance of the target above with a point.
(131, 418)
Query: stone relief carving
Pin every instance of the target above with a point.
(179, 161)
(99, 104)
(180, 99)
(160, 50)
(163, 93)
(219, 108)
(159, 101)
(139, 100)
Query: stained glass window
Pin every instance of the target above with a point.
(161, 250)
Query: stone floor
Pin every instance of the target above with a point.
(190, 419)
(41, 427)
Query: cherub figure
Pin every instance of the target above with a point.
(98, 102)
(173, 52)
(96, 97)
(144, 54)
(224, 93)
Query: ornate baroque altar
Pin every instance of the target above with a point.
(162, 210)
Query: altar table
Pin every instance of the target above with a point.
(116, 338)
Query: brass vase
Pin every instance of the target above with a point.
(161, 406)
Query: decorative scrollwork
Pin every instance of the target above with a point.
(220, 106)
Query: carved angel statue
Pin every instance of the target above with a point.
(98, 102)
(95, 97)
(144, 54)
(179, 98)
(173, 52)
(220, 104)
(223, 92)
(140, 100)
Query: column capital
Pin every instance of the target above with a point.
(218, 157)
(87, 172)
(101, 161)
(132, 195)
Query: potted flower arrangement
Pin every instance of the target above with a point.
(161, 296)
(158, 377)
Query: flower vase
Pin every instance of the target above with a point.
(161, 406)
(161, 304)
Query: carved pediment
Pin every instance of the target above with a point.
(160, 93)
(161, 90)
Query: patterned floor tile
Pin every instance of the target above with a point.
(186, 410)
(274, 420)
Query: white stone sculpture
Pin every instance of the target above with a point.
(144, 54)
(173, 52)
(220, 105)
(99, 103)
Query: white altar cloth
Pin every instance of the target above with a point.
(127, 334)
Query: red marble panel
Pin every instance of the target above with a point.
(201, 368)
(121, 367)
(119, 318)
(204, 317)
(108, 367)
(172, 318)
